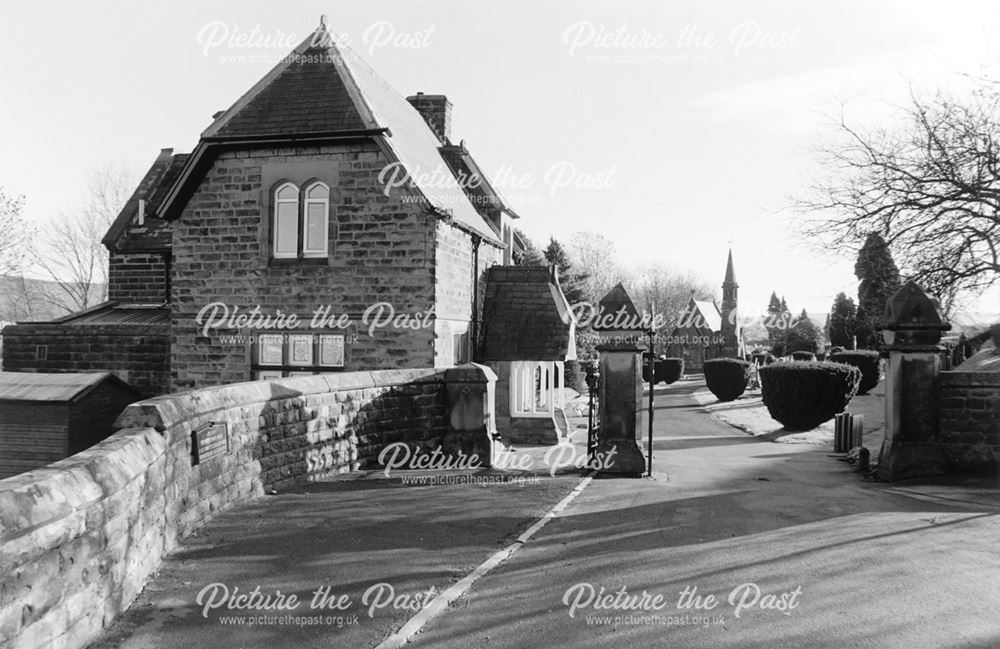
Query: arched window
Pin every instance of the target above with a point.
(317, 220)
(286, 221)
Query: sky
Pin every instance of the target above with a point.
(673, 128)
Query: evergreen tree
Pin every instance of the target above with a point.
(879, 280)
(774, 305)
(778, 318)
(532, 255)
(570, 280)
(805, 336)
(842, 321)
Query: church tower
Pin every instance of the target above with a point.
(732, 338)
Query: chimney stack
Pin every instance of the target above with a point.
(436, 111)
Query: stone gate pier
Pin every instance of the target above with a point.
(936, 421)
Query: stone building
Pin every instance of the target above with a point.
(528, 334)
(322, 194)
(705, 331)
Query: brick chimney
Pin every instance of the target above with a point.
(436, 111)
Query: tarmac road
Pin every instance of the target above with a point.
(811, 554)
(856, 563)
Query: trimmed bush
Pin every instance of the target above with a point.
(803, 356)
(669, 370)
(763, 358)
(803, 395)
(866, 361)
(727, 377)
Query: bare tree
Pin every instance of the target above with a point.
(70, 251)
(14, 233)
(661, 290)
(21, 299)
(595, 254)
(930, 187)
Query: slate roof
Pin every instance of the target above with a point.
(303, 98)
(322, 89)
(526, 316)
(705, 313)
(125, 233)
(482, 193)
(61, 387)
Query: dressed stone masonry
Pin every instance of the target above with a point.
(936, 421)
(341, 201)
(79, 537)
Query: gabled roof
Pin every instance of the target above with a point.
(464, 167)
(61, 387)
(526, 316)
(710, 312)
(325, 90)
(154, 234)
(701, 314)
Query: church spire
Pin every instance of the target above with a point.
(730, 273)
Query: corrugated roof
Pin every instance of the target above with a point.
(113, 313)
(32, 386)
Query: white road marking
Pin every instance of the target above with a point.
(437, 605)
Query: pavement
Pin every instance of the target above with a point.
(734, 541)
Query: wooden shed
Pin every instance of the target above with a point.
(47, 417)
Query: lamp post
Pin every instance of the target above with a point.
(591, 379)
(652, 382)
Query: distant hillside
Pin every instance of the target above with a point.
(31, 301)
(755, 334)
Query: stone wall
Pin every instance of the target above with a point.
(381, 250)
(79, 537)
(453, 272)
(137, 354)
(138, 278)
(970, 419)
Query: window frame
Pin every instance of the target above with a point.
(302, 205)
(276, 204)
(307, 201)
(288, 366)
(531, 379)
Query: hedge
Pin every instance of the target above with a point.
(727, 377)
(801, 395)
(866, 361)
(669, 370)
(803, 356)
